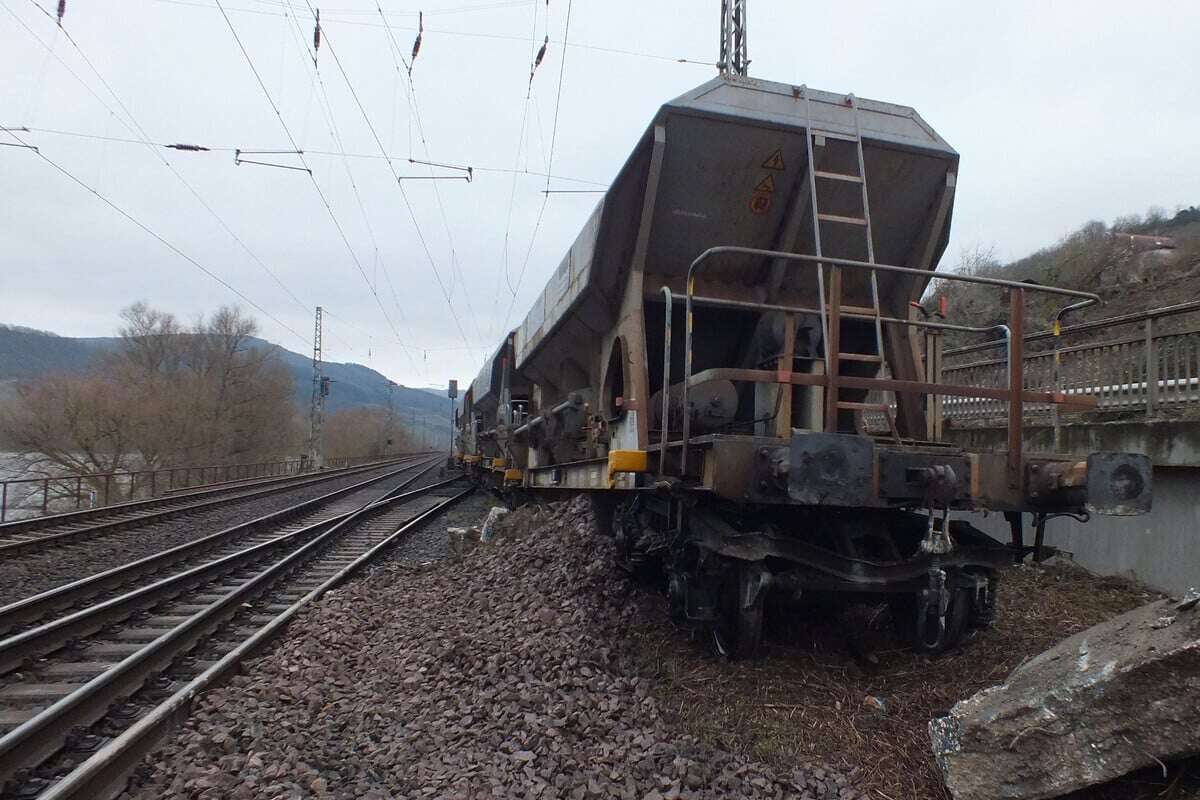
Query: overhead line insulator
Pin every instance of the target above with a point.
(316, 37)
(537, 60)
(192, 148)
(62, 9)
(417, 43)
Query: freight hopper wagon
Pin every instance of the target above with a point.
(733, 361)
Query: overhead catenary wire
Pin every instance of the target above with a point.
(415, 110)
(161, 239)
(512, 196)
(196, 148)
(545, 196)
(335, 135)
(138, 130)
(470, 34)
(348, 11)
(562, 66)
(312, 178)
(145, 140)
(403, 194)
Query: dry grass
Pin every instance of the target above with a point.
(805, 700)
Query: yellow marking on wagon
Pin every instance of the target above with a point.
(774, 161)
(626, 461)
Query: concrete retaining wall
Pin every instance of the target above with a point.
(1160, 549)
(1173, 443)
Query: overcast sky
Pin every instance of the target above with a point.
(1062, 112)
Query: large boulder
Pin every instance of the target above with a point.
(1117, 697)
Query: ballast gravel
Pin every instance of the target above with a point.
(505, 674)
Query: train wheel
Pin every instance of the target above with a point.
(738, 632)
(929, 635)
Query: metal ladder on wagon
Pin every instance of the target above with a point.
(832, 308)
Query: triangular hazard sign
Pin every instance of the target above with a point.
(767, 184)
(774, 161)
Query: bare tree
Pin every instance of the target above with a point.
(168, 396)
(364, 431)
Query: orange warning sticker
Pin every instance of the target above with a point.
(767, 185)
(760, 203)
(774, 161)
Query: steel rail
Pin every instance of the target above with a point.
(38, 606)
(44, 734)
(36, 541)
(68, 517)
(105, 773)
(22, 647)
(233, 483)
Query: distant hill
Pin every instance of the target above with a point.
(27, 353)
(1134, 264)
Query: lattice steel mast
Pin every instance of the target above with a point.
(316, 411)
(733, 59)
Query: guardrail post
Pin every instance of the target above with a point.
(4, 501)
(78, 492)
(107, 486)
(1151, 369)
(1057, 383)
(45, 495)
(1016, 371)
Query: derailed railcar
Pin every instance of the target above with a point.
(733, 360)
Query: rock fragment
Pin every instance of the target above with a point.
(1109, 700)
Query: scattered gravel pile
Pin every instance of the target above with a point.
(505, 675)
(428, 542)
(30, 573)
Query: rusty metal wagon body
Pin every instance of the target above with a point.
(732, 358)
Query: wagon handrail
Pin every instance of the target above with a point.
(1087, 298)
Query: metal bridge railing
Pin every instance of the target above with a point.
(1151, 368)
(46, 494)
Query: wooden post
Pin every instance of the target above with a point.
(1016, 372)
(1151, 369)
(833, 349)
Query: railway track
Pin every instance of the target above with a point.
(22, 536)
(85, 695)
(108, 584)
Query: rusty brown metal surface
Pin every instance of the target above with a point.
(1016, 376)
(887, 384)
(833, 349)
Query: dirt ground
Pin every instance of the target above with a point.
(836, 687)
